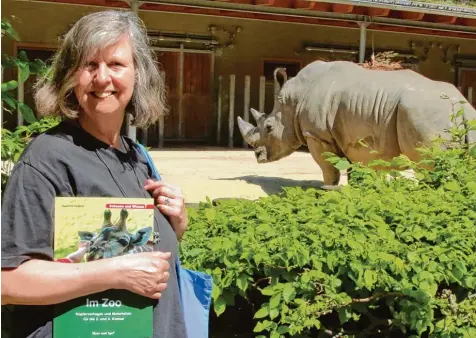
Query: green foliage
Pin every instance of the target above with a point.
(383, 256)
(14, 142)
(24, 68)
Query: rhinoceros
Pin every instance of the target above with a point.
(332, 106)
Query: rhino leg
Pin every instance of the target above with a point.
(330, 173)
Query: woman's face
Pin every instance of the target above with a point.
(106, 81)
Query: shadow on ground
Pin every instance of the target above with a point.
(275, 185)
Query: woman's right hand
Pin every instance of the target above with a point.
(143, 273)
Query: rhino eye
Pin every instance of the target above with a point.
(269, 128)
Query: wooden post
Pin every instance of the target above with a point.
(180, 94)
(231, 118)
(20, 97)
(212, 92)
(131, 130)
(246, 110)
(220, 88)
(144, 136)
(262, 94)
(160, 128)
(470, 95)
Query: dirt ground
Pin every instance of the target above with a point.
(233, 173)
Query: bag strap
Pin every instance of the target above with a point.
(155, 172)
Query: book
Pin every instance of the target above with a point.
(92, 228)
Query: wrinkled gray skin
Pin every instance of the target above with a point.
(330, 106)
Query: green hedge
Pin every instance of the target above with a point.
(384, 256)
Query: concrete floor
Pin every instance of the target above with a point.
(227, 173)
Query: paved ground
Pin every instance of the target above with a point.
(224, 173)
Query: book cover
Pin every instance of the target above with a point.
(92, 228)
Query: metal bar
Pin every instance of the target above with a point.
(135, 6)
(231, 118)
(155, 38)
(185, 50)
(317, 14)
(262, 93)
(180, 94)
(410, 6)
(363, 39)
(303, 13)
(220, 88)
(330, 50)
(246, 108)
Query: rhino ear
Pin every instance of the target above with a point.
(257, 115)
(277, 86)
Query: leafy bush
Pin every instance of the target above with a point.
(385, 256)
(14, 142)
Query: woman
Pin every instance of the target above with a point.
(103, 70)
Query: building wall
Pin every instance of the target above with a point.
(43, 23)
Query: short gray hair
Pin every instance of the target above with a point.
(54, 94)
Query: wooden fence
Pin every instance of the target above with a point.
(246, 103)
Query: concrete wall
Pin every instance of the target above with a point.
(43, 23)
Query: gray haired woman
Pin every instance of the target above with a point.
(103, 70)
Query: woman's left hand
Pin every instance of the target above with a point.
(169, 199)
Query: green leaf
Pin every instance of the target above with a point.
(242, 281)
(273, 313)
(24, 72)
(470, 282)
(275, 301)
(260, 326)
(269, 291)
(472, 151)
(343, 164)
(345, 314)
(210, 214)
(27, 113)
(370, 277)
(10, 101)
(283, 329)
(289, 292)
(9, 31)
(10, 85)
(261, 313)
(452, 186)
(219, 305)
(216, 292)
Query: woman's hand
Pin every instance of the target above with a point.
(169, 199)
(143, 273)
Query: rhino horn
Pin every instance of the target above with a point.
(257, 115)
(247, 130)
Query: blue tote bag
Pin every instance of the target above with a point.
(195, 287)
